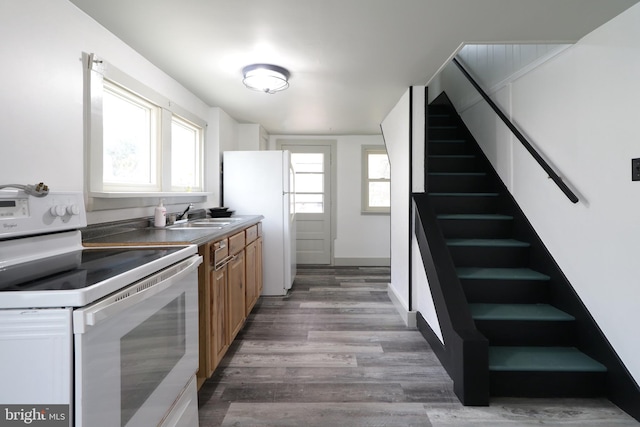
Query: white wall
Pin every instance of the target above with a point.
(41, 113)
(581, 109)
(396, 134)
(359, 239)
(495, 65)
(358, 236)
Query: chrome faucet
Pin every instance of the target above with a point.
(180, 216)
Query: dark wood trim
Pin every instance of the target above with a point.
(434, 341)
(426, 136)
(410, 207)
(466, 355)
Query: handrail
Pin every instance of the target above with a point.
(552, 174)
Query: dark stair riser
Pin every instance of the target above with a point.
(460, 182)
(467, 204)
(445, 132)
(489, 256)
(451, 147)
(538, 332)
(505, 291)
(546, 384)
(441, 119)
(460, 163)
(476, 228)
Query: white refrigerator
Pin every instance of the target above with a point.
(262, 183)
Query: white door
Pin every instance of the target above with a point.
(312, 166)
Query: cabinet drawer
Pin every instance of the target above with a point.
(252, 233)
(219, 251)
(236, 243)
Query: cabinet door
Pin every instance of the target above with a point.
(219, 340)
(236, 297)
(204, 332)
(252, 289)
(259, 273)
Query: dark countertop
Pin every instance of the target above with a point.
(132, 233)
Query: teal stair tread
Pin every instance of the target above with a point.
(465, 194)
(529, 312)
(475, 216)
(511, 243)
(448, 141)
(542, 359)
(443, 127)
(500, 273)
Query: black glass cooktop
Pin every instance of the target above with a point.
(77, 269)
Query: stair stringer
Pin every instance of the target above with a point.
(465, 352)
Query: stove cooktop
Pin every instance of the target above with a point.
(77, 269)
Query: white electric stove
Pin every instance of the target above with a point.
(92, 336)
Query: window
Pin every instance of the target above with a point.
(140, 144)
(309, 182)
(376, 180)
(186, 170)
(129, 141)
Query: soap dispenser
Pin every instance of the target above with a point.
(160, 218)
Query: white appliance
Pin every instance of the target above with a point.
(262, 182)
(93, 336)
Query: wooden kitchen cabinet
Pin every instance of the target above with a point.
(220, 337)
(251, 295)
(253, 272)
(204, 314)
(236, 297)
(259, 268)
(212, 303)
(231, 263)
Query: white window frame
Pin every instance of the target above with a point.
(366, 208)
(154, 148)
(97, 71)
(198, 166)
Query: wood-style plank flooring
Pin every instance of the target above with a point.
(334, 352)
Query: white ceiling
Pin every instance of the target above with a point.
(350, 60)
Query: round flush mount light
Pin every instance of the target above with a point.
(265, 77)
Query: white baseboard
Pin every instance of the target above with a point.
(408, 317)
(362, 262)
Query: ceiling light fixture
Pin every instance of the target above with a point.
(265, 77)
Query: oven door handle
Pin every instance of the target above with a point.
(134, 294)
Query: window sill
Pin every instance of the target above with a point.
(100, 201)
(130, 195)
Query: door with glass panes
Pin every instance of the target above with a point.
(312, 166)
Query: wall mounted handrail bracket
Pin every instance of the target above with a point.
(527, 145)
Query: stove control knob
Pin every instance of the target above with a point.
(73, 210)
(58, 210)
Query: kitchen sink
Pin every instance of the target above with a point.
(221, 220)
(205, 224)
(195, 226)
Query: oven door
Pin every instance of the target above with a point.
(137, 349)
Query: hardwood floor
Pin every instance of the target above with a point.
(334, 352)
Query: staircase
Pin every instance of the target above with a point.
(507, 276)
